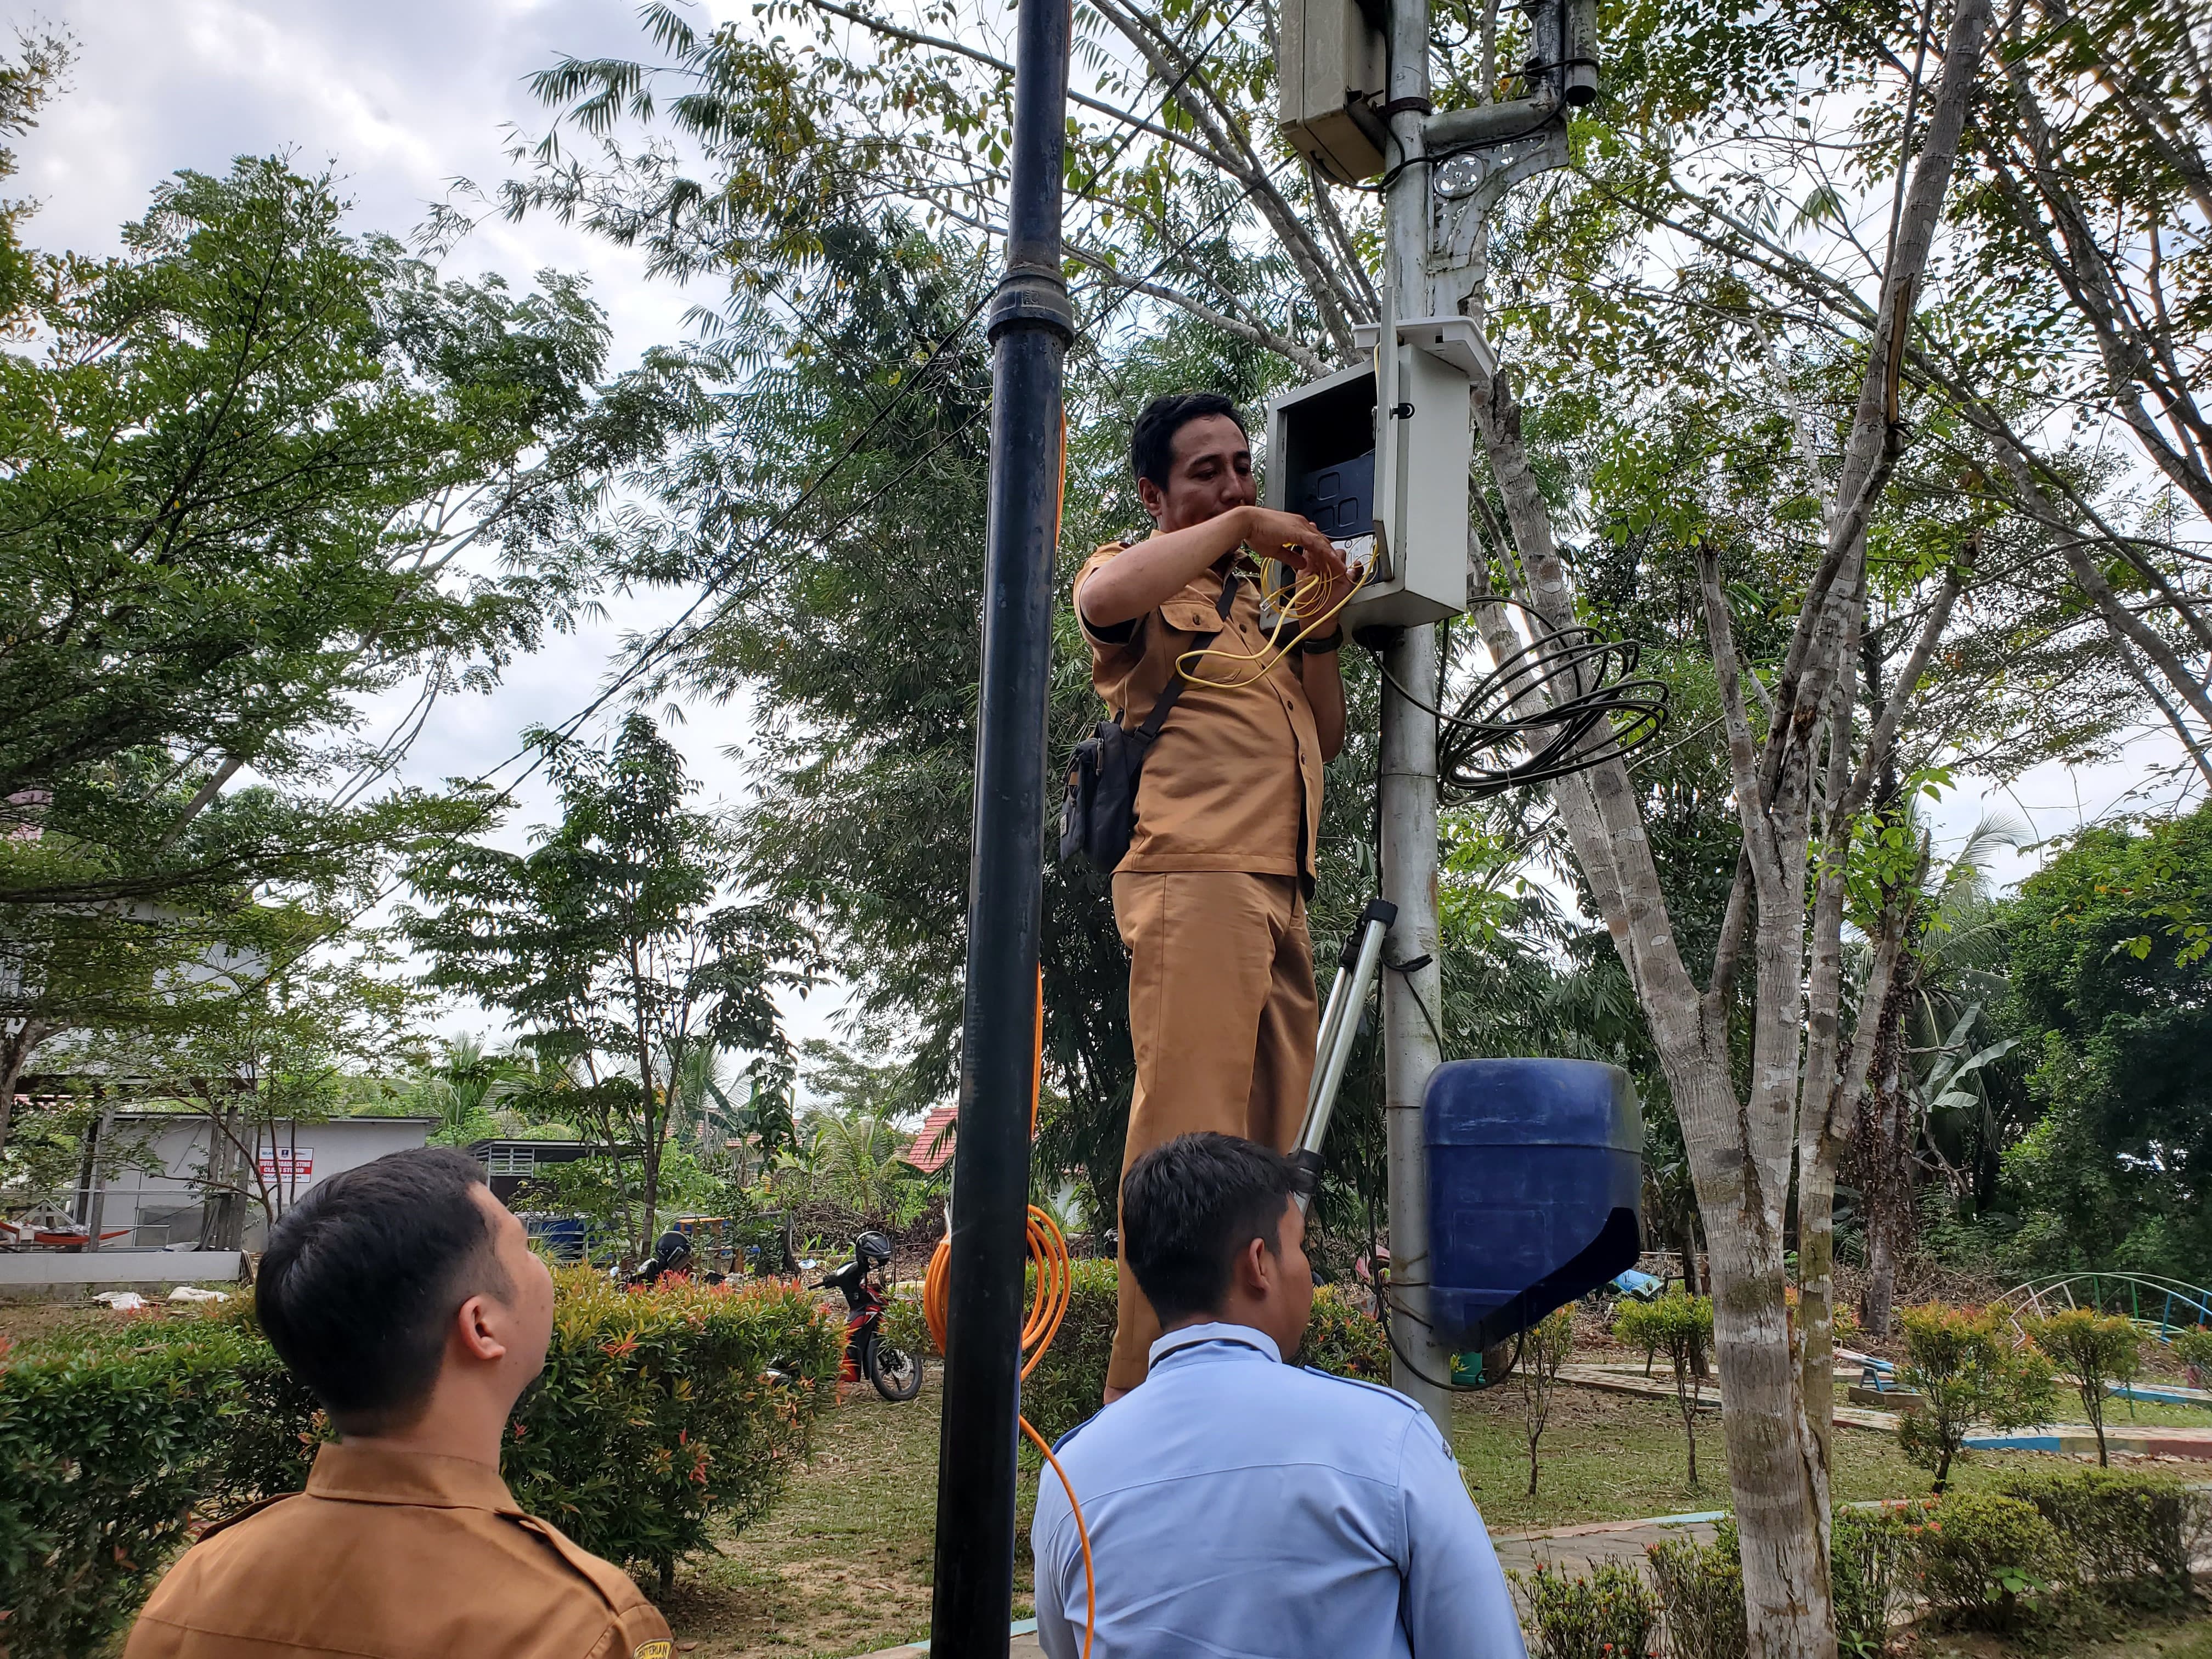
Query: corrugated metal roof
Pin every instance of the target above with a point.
(933, 1143)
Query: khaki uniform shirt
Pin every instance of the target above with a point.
(1234, 781)
(395, 1555)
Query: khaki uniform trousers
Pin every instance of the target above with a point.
(1223, 1017)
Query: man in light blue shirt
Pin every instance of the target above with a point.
(1238, 1505)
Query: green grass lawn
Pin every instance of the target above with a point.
(1613, 1457)
(842, 1565)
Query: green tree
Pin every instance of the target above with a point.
(470, 1091)
(1680, 1327)
(2099, 1350)
(611, 942)
(257, 468)
(1967, 1370)
(1816, 531)
(1544, 1349)
(857, 1161)
(26, 84)
(2112, 987)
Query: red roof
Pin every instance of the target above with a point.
(933, 1143)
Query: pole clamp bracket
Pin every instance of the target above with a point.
(1032, 295)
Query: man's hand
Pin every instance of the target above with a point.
(1297, 541)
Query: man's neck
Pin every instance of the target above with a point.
(446, 1430)
(1196, 1320)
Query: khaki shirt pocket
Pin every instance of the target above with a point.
(1191, 616)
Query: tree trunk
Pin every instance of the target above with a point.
(1884, 1161)
(222, 1217)
(15, 1051)
(1770, 1446)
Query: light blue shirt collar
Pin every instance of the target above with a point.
(1219, 1330)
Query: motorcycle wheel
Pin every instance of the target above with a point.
(896, 1373)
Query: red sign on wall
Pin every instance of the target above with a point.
(289, 1167)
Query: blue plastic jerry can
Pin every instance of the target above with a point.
(1536, 1180)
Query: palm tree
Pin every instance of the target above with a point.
(855, 1159)
(464, 1087)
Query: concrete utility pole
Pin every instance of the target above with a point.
(1411, 1000)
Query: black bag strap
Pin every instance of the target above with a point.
(1164, 705)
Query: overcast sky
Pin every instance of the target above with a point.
(401, 97)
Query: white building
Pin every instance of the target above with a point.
(138, 1210)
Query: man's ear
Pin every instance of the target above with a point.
(476, 1324)
(1153, 497)
(1257, 1268)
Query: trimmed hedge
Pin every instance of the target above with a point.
(1608, 1613)
(2125, 1535)
(103, 1453)
(1867, 1570)
(651, 1430)
(1067, 1384)
(655, 1424)
(1702, 1586)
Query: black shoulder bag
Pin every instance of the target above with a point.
(1098, 814)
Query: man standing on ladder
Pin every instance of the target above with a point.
(1211, 897)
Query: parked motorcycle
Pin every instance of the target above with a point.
(896, 1373)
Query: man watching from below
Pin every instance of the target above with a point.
(407, 1299)
(1238, 1504)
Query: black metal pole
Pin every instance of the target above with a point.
(1031, 325)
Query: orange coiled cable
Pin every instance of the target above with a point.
(1055, 1285)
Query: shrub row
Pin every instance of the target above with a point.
(1991, 1560)
(1067, 1386)
(651, 1430)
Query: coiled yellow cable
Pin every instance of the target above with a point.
(1305, 597)
(1055, 1286)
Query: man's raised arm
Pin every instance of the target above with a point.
(1141, 577)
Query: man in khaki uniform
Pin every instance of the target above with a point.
(407, 1297)
(1211, 898)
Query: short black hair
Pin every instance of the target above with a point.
(1189, 1207)
(1151, 441)
(362, 1274)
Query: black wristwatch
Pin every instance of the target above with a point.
(1321, 647)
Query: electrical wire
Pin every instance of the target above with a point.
(1581, 682)
(1305, 595)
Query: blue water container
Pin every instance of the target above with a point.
(1535, 1176)
(562, 1236)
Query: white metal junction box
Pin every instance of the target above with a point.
(1330, 62)
(1406, 489)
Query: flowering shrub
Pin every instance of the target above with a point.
(655, 1423)
(1344, 1340)
(104, 1448)
(1611, 1614)
(1979, 1555)
(1702, 1587)
(1966, 1370)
